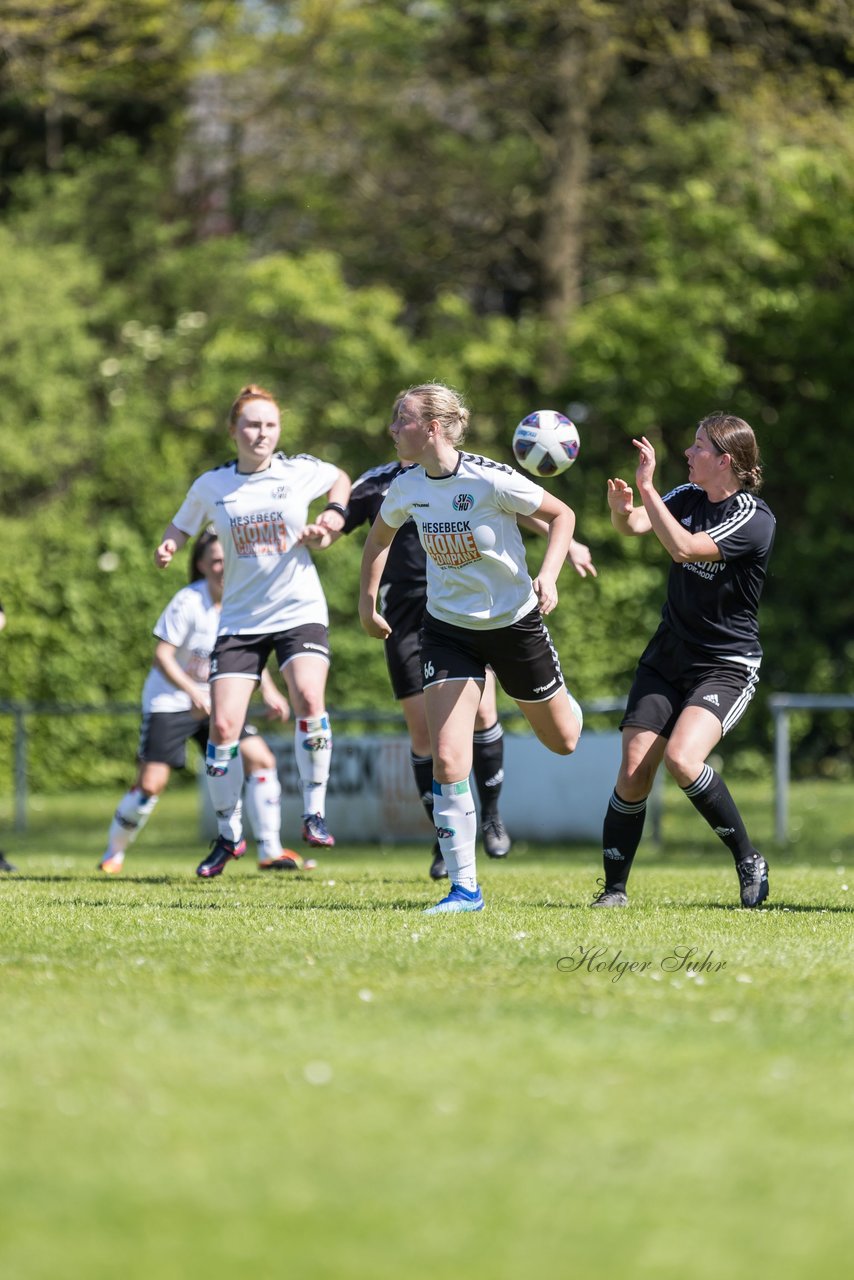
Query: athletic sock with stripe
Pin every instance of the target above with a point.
(710, 796)
(621, 834)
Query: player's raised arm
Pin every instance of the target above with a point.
(626, 518)
(683, 546)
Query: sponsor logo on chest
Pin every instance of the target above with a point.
(264, 534)
(449, 543)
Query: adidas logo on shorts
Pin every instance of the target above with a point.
(713, 698)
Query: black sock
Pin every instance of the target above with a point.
(422, 767)
(621, 834)
(710, 796)
(489, 768)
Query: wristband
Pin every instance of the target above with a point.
(336, 506)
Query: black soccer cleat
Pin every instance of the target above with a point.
(753, 879)
(222, 851)
(5, 864)
(610, 897)
(438, 870)
(496, 839)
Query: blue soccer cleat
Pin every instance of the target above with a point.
(315, 830)
(222, 852)
(459, 899)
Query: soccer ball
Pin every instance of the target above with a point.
(546, 443)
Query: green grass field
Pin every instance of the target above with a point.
(302, 1076)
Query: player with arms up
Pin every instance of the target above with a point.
(482, 607)
(272, 602)
(699, 672)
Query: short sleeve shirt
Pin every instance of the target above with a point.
(713, 605)
(405, 570)
(476, 571)
(270, 582)
(189, 622)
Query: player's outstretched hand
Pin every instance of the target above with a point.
(164, 553)
(646, 462)
(315, 535)
(201, 708)
(546, 593)
(276, 705)
(580, 559)
(374, 623)
(621, 500)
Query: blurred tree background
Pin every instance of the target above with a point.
(633, 213)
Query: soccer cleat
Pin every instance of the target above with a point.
(610, 897)
(459, 899)
(496, 840)
(315, 830)
(753, 879)
(286, 861)
(438, 870)
(112, 863)
(5, 864)
(222, 851)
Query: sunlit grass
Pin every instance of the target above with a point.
(304, 1076)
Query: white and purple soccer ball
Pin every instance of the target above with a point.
(546, 443)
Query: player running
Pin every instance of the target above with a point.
(402, 600)
(176, 708)
(482, 608)
(272, 601)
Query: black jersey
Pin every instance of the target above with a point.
(406, 566)
(712, 605)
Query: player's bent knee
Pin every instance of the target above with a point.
(682, 767)
(225, 729)
(447, 768)
(633, 787)
(256, 754)
(562, 743)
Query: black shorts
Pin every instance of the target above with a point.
(246, 655)
(404, 614)
(163, 737)
(671, 676)
(522, 656)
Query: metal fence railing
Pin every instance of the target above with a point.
(22, 713)
(781, 706)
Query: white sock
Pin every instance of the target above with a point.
(133, 811)
(313, 748)
(263, 799)
(456, 828)
(224, 767)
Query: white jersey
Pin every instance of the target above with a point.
(476, 572)
(190, 622)
(270, 583)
